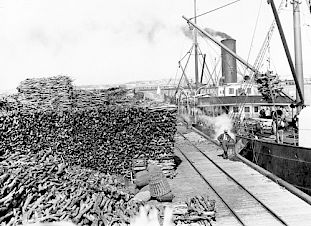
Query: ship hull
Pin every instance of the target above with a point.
(288, 162)
(291, 163)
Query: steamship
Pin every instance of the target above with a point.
(237, 99)
(245, 100)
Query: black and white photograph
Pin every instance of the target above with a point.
(155, 112)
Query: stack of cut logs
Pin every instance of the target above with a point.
(4, 104)
(9, 103)
(58, 93)
(167, 165)
(53, 93)
(105, 139)
(99, 97)
(268, 86)
(198, 209)
(41, 187)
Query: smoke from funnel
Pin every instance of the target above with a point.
(188, 32)
(217, 33)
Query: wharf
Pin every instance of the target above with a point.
(243, 196)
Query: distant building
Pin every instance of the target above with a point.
(290, 89)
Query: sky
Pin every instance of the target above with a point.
(104, 42)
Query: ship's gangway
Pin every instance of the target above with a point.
(243, 194)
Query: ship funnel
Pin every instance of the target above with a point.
(228, 63)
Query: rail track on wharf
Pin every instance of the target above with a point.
(242, 203)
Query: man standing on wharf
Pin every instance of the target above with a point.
(224, 140)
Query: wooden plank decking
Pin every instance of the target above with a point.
(284, 204)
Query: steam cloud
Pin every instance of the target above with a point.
(217, 124)
(189, 33)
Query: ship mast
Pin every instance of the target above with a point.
(293, 70)
(221, 45)
(196, 48)
(298, 48)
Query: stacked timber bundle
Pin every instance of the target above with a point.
(198, 209)
(119, 96)
(268, 86)
(4, 104)
(9, 103)
(100, 97)
(41, 187)
(89, 98)
(167, 165)
(52, 93)
(105, 139)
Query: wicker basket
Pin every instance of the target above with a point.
(158, 183)
(159, 187)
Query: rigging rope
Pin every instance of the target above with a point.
(215, 80)
(201, 64)
(210, 75)
(261, 54)
(183, 72)
(215, 9)
(219, 99)
(255, 28)
(248, 85)
(212, 48)
(175, 79)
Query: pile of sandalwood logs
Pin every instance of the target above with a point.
(167, 165)
(198, 209)
(9, 103)
(100, 97)
(105, 139)
(58, 93)
(41, 187)
(4, 104)
(46, 93)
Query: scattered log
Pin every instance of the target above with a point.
(32, 192)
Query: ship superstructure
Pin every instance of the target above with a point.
(259, 95)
